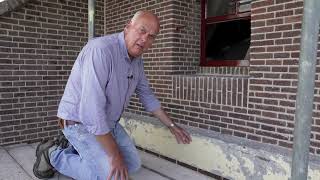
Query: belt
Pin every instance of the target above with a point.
(62, 123)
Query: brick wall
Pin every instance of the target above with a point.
(276, 28)
(38, 45)
(256, 102)
(275, 43)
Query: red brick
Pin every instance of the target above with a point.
(256, 4)
(292, 19)
(275, 8)
(284, 13)
(262, 16)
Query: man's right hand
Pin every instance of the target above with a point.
(118, 169)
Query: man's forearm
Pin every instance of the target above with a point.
(162, 115)
(109, 144)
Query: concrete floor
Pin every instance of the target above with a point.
(16, 163)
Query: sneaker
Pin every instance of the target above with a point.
(62, 141)
(42, 168)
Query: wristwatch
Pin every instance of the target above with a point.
(172, 125)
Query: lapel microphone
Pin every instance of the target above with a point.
(130, 75)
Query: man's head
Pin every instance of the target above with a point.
(140, 32)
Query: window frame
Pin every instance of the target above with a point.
(218, 19)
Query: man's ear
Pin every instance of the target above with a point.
(127, 25)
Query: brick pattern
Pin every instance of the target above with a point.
(231, 91)
(38, 45)
(226, 71)
(276, 28)
(255, 102)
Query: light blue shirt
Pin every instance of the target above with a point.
(102, 80)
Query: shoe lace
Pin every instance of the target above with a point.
(62, 141)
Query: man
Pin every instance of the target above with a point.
(106, 73)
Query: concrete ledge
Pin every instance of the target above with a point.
(227, 156)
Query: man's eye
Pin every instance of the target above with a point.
(142, 31)
(152, 36)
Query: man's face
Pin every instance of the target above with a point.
(140, 34)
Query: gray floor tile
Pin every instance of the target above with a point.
(25, 156)
(10, 169)
(34, 145)
(170, 169)
(16, 163)
(145, 174)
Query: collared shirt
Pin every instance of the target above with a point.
(101, 82)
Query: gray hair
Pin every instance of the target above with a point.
(137, 15)
(141, 13)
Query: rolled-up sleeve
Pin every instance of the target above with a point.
(145, 94)
(94, 79)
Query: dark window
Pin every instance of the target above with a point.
(225, 32)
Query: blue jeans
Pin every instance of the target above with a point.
(86, 159)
